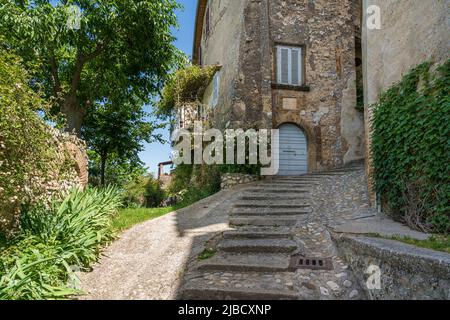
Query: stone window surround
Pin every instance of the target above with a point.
(275, 84)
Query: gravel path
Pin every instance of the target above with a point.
(148, 261)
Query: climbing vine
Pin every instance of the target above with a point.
(186, 86)
(411, 148)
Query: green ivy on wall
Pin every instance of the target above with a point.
(411, 148)
(185, 86)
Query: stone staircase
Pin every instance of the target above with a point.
(252, 261)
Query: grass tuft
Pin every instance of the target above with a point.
(127, 218)
(206, 254)
(435, 242)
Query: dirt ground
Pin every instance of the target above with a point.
(148, 261)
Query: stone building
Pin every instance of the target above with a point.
(287, 64)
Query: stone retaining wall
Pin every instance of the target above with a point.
(407, 272)
(68, 169)
(230, 180)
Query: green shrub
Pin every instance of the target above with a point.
(411, 148)
(26, 146)
(154, 194)
(66, 235)
(143, 191)
(187, 85)
(181, 178)
(35, 161)
(195, 182)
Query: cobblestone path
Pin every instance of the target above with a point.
(277, 219)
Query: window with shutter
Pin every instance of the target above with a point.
(289, 64)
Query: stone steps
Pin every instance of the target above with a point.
(198, 292)
(261, 212)
(256, 234)
(349, 168)
(264, 221)
(269, 190)
(247, 263)
(271, 205)
(240, 286)
(252, 262)
(296, 183)
(257, 245)
(269, 197)
(287, 185)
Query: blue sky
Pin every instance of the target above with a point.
(155, 153)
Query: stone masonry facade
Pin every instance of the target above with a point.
(242, 37)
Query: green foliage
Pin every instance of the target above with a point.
(122, 48)
(195, 182)
(181, 178)
(154, 194)
(143, 191)
(28, 152)
(116, 132)
(435, 242)
(3, 241)
(187, 85)
(206, 254)
(127, 218)
(55, 240)
(411, 148)
(117, 172)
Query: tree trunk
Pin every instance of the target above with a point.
(103, 159)
(74, 114)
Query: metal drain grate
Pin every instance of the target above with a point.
(301, 262)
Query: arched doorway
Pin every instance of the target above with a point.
(293, 151)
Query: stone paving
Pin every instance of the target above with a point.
(274, 220)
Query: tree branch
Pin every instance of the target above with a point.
(79, 64)
(55, 76)
(81, 61)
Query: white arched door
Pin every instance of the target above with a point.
(293, 157)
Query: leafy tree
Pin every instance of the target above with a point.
(117, 172)
(116, 130)
(121, 46)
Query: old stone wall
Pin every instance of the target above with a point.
(67, 170)
(243, 38)
(230, 180)
(325, 107)
(406, 272)
(411, 32)
(221, 47)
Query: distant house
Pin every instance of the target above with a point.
(163, 177)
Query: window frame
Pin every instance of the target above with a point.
(301, 67)
(215, 90)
